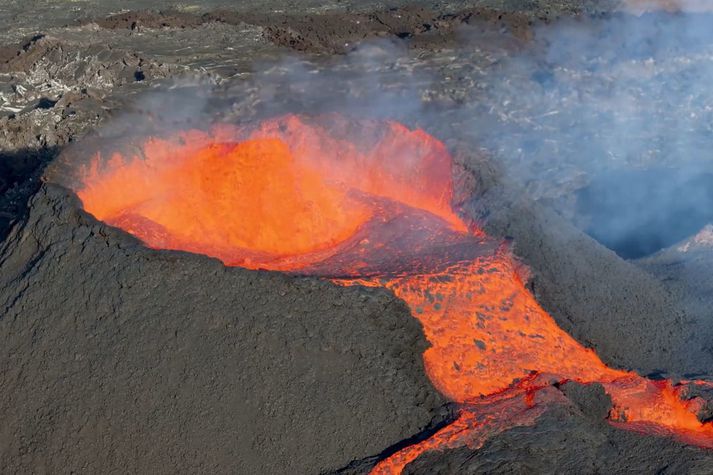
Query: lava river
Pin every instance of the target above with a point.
(371, 203)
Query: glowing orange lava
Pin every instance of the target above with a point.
(370, 203)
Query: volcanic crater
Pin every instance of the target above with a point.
(363, 205)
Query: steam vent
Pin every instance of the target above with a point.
(356, 237)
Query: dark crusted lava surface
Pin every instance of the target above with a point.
(119, 358)
(570, 438)
(115, 357)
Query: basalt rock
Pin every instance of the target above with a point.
(116, 357)
(569, 438)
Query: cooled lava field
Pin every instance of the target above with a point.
(356, 237)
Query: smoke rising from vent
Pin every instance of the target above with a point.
(592, 105)
(566, 115)
(571, 111)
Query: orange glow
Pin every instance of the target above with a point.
(369, 203)
(264, 197)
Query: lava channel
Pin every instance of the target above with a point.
(371, 203)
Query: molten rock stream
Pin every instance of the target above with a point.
(370, 203)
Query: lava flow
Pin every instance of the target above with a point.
(370, 203)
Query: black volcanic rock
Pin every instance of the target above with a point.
(569, 439)
(115, 357)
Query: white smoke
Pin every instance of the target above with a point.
(587, 101)
(688, 6)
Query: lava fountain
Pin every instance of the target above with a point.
(371, 203)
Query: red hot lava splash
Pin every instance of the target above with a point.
(370, 203)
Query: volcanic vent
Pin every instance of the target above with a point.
(372, 203)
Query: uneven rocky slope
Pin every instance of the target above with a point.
(116, 357)
(119, 358)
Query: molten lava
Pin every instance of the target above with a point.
(264, 198)
(370, 203)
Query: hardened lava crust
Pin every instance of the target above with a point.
(116, 357)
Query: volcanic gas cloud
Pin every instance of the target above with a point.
(370, 203)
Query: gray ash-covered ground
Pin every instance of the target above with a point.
(120, 358)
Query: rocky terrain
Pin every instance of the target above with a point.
(120, 358)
